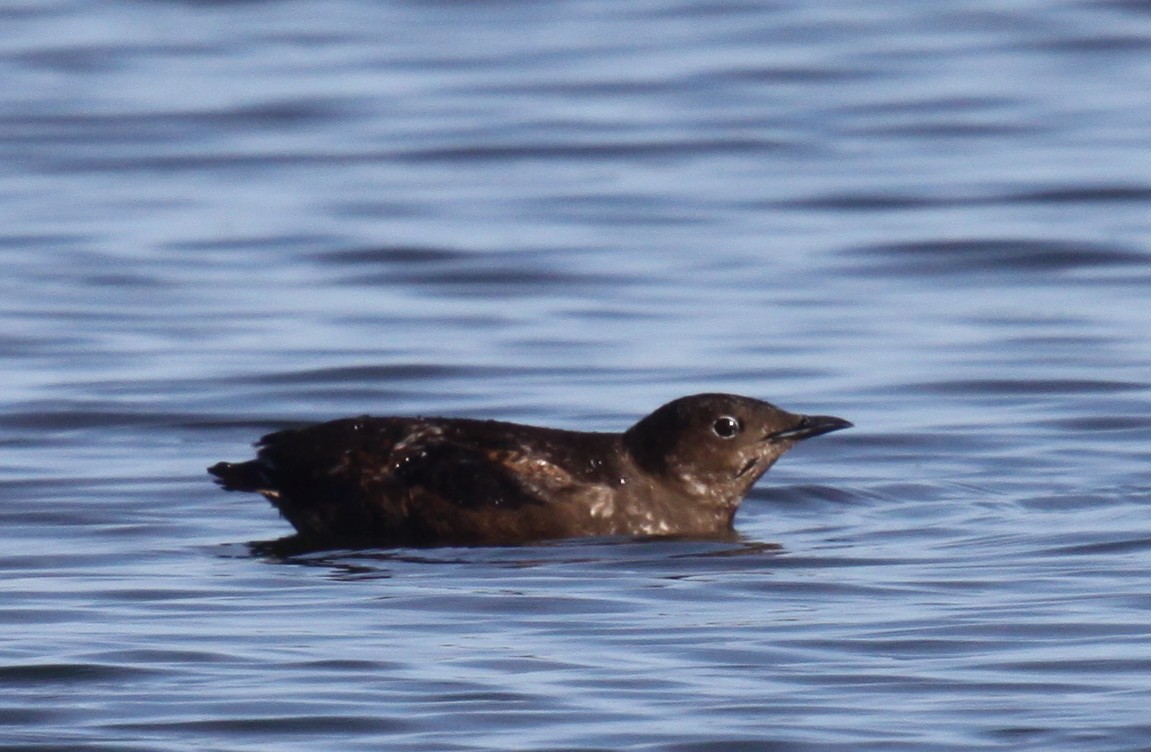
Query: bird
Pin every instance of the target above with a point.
(368, 482)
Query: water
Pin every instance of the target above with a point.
(932, 219)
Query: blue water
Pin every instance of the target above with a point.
(933, 219)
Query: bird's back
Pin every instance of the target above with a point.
(415, 480)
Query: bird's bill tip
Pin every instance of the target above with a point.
(812, 425)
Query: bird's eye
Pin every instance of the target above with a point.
(726, 427)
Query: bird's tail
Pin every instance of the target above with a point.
(240, 476)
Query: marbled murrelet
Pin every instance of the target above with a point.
(682, 470)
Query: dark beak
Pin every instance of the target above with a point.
(808, 426)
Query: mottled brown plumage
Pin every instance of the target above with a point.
(683, 470)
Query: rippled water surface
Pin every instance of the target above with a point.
(224, 218)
